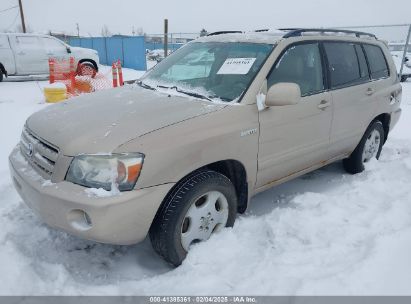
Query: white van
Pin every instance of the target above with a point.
(28, 54)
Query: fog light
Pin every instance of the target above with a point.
(79, 220)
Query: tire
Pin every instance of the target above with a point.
(367, 149)
(1, 76)
(200, 205)
(86, 69)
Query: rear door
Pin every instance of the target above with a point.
(352, 93)
(6, 55)
(30, 54)
(295, 137)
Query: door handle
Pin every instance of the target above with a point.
(323, 105)
(369, 91)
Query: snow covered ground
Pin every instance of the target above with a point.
(326, 233)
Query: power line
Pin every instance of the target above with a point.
(10, 8)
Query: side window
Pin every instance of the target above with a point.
(344, 65)
(51, 45)
(377, 62)
(365, 75)
(300, 64)
(28, 42)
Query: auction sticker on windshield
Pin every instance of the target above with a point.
(239, 66)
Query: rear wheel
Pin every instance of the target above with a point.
(202, 204)
(86, 69)
(369, 147)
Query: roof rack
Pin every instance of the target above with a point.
(224, 32)
(295, 32)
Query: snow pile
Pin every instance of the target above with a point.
(327, 232)
(56, 85)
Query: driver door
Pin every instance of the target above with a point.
(295, 137)
(55, 48)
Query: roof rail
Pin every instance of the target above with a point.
(224, 32)
(295, 32)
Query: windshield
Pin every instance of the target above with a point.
(209, 70)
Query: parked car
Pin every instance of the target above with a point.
(28, 54)
(406, 70)
(179, 153)
(157, 54)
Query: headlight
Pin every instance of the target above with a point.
(106, 171)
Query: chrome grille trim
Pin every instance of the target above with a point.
(42, 155)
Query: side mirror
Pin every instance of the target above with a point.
(68, 50)
(283, 94)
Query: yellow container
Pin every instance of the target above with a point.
(55, 94)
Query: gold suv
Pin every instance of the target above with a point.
(180, 152)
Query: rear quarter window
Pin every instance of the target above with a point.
(377, 62)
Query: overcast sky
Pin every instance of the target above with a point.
(193, 15)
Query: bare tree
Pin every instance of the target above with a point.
(105, 32)
(140, 31)
(203, 32)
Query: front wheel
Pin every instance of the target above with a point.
(202, 204)
(369, 147)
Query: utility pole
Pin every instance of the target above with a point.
(165, 37)
(78, 30)
(23, 24)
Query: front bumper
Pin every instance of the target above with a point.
(121, 219)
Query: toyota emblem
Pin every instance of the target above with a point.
(30, 150)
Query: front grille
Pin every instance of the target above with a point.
(41, 155)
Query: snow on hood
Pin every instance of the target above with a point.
(77, 49)
(102, 121)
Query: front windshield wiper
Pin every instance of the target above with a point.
(189, 93)
(146, 86)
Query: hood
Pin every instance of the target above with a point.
(78, 49)
(100, 122)
(81, 50)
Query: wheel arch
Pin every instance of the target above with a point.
(237, 173)
(89, 60)
(385, 119)
(234, 170)
(3, 69)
